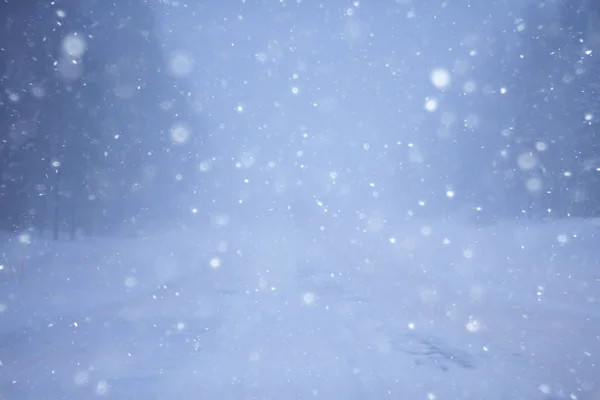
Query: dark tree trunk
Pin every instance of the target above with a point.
(73, 217)
(56, 222)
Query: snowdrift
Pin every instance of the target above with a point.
(422, 309)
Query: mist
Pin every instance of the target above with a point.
(299, 199)
(168, 113)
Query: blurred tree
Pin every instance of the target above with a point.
(89, 117)
(579, 25)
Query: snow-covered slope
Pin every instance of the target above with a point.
(420, 310)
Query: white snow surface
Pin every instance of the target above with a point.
(419, 310)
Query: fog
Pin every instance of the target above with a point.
(175, 113)
(298, 199)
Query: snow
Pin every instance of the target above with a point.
(417, 310)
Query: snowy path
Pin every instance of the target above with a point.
(270, 345)
(247, 330)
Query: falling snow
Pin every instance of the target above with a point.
(290, 199)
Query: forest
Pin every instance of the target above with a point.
(94, 125)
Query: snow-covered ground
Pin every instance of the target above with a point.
(420, 310)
